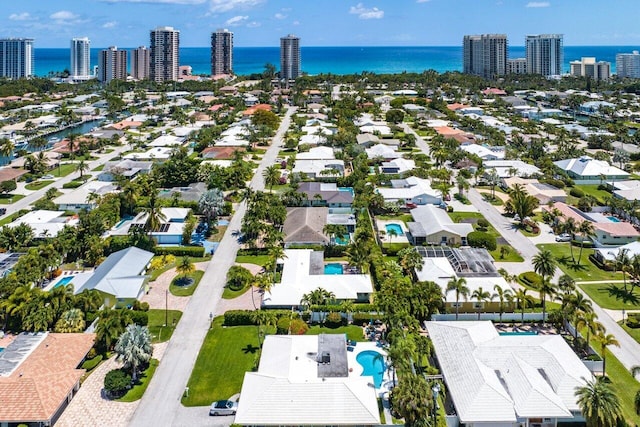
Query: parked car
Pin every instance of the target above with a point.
(223, 407)
(564, 237)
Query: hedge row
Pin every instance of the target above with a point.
(531, 278)
(338, 308)
(72, 184)
(192, 251)
(245, 317)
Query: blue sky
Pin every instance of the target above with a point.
(126, 23)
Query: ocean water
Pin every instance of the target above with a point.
(336, 60)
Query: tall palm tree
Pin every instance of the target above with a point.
(546, 289)
(155, 217)
(82, 167)
(505, 297)
(134, 348)
(271, 176)
(570, 227)
(598, 403)
(412, 400)
(481, 296)
(577, 305)
(185, 266)
(111, 324)
(523, 301)
(459, 286)
(586, 230)
(545, 264)
(605, 340)
(263, 318)
(6, 147)
(622, 263)
(588, 321)
(566, 284)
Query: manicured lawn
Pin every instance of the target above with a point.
(36, 185)
(156, 273)
(218, 234)
(7, 199)
(160, 333)
(226, 354)
(136, 392)
(403, 217)
(512, 256)
(583, 272)
(459, 216)
(13, 216)
(228, 293)
(99, 168)
(613, 296)
(253, 259)
(64, 169)
(186, 291)
(634, 332)
(592, 190)
(353, 332)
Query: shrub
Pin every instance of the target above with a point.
(140, 306)
(531, 278)
(192, 251)
(92, 353)
(238, 278)
(479, 239)
(72, 184)
(333, 320)
(139, 317)
(360, 318)
(117, 382)
(298, 327)
(576, 192)
(238, 318)
(482, 222)
(282, 327)
(90, 364)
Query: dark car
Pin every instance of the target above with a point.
(223, 407)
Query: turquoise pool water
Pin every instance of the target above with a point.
(333, 268)
(395, 227)
(613, 219)
(64, 281)
(349, 189)
(518, 333)
(342, 240)
(373, 364)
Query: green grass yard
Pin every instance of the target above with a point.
(136, 392)
(226, 354)
(353, 332)
(37, 185)
(585, 271)
(613, 296)
(160, 333)
(511, 256)
(7, 199)
(253, 259)
(592, 190)
(64, 169)
(186, 291)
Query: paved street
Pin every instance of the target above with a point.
(160, 405)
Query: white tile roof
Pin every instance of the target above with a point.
(435, 220)
(586, 166)
(493, 378)
(286, 390)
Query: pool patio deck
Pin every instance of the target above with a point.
(384, 235)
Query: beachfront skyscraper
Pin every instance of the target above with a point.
(588, 67)
(485, 55)
(222, 52)
(165, 54)
(80, 59)
(545, 54)
(289, 57)
(140, 63)
(112, 64)
(16, 58)
(628, 65)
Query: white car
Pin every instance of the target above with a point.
(564, 237)
(223, 407)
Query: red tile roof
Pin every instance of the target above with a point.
(249, 111)
(42, 382)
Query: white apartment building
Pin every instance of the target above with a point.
(588, 67)
(16, 58)
(80, 58)
(544, 54)
(628, 65)
(289, 57)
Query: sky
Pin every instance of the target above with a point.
(126, 23)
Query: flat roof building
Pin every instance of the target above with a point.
(221, 52)
(545, 54)
(628, 65)
(80, 58)
(289, 57)
(485, 55)
(588, 67)
(140, 63)
(112, 64)
(165, 54)
(16, 58)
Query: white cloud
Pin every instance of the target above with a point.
(296, 22)
(110, 24)
(538, 4)
(217, 6)
(157, 1)
(280, 16)
(366, 13)
(63, 15)
(236, 20)
(24, 16)
(253, 24)
(422, 1)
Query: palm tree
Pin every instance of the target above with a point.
(505, 297)
(111, 324)
(493, 179)
(155, 217)
(545, 264)
(570, 227)
(622, 263)
(271, 176)
(347, 307)
(459, 286)
(523, 301)
(185, 266)
(481, 296)
(586, 230)
(547, 288)
(598, 403)
(410, 260)
(566, 284)
(134, 348)
(588, 320)
(6, 147)
(605, 340)
(577, 305)
(82, 167)
(392, 233)
(412, 400)
(263, 318)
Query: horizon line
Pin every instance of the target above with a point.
(341, 46)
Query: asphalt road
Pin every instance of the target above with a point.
(160, 405)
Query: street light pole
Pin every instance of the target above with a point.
(436, 390)
(166, 307)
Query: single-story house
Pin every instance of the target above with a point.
(609, 254)
(120, 277)
(586, 170)
(398, 166)
(171, 227)
(506, 380)
(413, 190)
(39, 375)
(129, 169)
(541, 191)
(155, 153)
(367, 139)
(191, 193)
(303, 272)
(319, 169)
(45, 223)
(305, 226)
(167, 141)
(628, 190)
(326, 194)
(219, 153)
(484, 152)
(509, 168)
(80, 198)
(317, 153)
(383, 152)
(433, 225)
(310, 380)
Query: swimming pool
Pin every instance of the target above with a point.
(64, 281)
(342, 240)
(518, 333)
(613, 219)
(334, 268)
(395, 227)
(373, 364)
